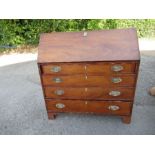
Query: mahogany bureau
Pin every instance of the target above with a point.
(89, 72)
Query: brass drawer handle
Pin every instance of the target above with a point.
(59, 92)
(60, 105)
(113, 107)
(57, 80)
(117, 68)
(56, 69)
(115, 93)
(116, 80)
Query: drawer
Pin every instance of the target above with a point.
(110, 68)
(64, 68)
(83, 80)
(89, 93)
(105, 107)
(89, 68)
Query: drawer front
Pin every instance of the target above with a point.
(63, 68)
(66, 93)
(83, 80)
(111, 68)
(89, 68)
(106, 107)
(90, 93)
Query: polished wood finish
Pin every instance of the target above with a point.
(90, 93)
(86, 80)
(106, 68)
(90, 106)
(96, 73)
(103, 45)
(66, 68)
(88, 68)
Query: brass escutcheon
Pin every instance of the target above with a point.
(59, 92)
(116, 79)
(113, 107)
(115, 93)
(60, 105)
(117, 68)
(57, 80)
(56, 69)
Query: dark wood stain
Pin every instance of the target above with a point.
(103, 45)
(86, 71)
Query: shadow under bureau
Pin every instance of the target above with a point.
(89, 72)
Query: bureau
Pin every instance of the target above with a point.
(89, 72)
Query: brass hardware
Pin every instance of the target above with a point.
(117, 68)
(86, 102)
(115, 93)
(116, 80)
(56, 69)
(60, 105)
(59, 92)
(113, 107)
(57, 80)
(85, 34)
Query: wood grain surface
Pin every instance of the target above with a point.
(77, 71)
(88, 68)
(101, 45)
(90, 106)
(89, 80)
(97, 93)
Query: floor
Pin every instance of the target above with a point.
(22, 109)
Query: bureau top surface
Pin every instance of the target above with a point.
(102, 45)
